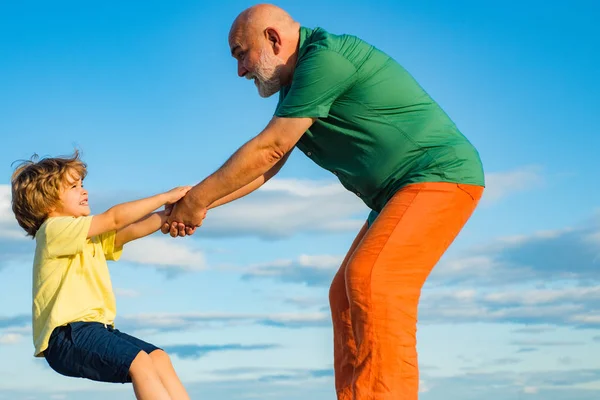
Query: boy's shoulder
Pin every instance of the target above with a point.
(64, 226)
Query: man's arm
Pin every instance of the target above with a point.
(252, 186)
(247, 164)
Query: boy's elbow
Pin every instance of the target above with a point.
(114, 219)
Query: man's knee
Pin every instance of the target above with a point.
(337, 292)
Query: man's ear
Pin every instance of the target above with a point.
(274, 39)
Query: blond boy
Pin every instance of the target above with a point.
(73, 300)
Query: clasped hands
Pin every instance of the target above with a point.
(183, 217)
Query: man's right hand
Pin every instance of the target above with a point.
(183, 217)
(189, 230)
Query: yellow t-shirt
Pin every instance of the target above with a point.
(71, 281)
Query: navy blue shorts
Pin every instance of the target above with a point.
(94, 351)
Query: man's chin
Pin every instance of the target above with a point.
(265, 95)
(262, 92)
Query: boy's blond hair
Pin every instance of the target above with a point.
(36, 186)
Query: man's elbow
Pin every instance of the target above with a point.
(274, 154)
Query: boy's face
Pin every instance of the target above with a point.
(73, 198)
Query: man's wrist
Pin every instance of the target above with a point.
(194, 199)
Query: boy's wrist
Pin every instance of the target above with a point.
(164, 198)
(163, 215)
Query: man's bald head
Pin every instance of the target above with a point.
(257, 18)
(264, 39)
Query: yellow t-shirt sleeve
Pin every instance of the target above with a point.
(111, 252)
(65, 236)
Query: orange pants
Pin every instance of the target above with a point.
(375, 294)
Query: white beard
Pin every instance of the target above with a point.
(267, 74)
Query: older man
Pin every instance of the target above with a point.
(356, 112)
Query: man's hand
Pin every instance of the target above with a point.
(183, 218)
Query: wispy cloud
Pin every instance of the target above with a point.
(442, 305)
(15, 321)
(268, 384)
(568, 254)
(534, 330)
(535, 385)
(546, 343)
(297, 206)
(14, 329)
(169, 322)
(502, 184)
(9, 229)
(193, 351)
(14, 245)
(306, 302)
(165, 253)
(311, 270)
(527, 350)
(10, 338)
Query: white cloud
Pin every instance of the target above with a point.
(503, 184)
(182, 321)
(568, 306)
(303, 187)
(285, 207)
(165, 253)
(312, 270)
(530, 390)
(10, 338)
(9, 229)
(547, 256)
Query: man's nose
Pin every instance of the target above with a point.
(241, 70)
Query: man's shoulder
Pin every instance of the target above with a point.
(318, 42)
(320, 38)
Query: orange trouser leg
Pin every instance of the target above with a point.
(344, 347)
(374, 296)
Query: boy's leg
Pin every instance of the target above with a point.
(384, 278)
(90, 350)
(146, 380)
(162, 365)
(168, 376)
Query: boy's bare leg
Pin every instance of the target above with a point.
(168, 376)
(147, 383)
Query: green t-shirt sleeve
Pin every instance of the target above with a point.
(321, 76)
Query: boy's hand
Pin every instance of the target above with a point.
(173, 195)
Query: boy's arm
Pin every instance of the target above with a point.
(145, 226)
(121, 215)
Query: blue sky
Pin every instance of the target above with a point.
(149, 93)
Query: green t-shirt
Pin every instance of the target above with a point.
(377, 129)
